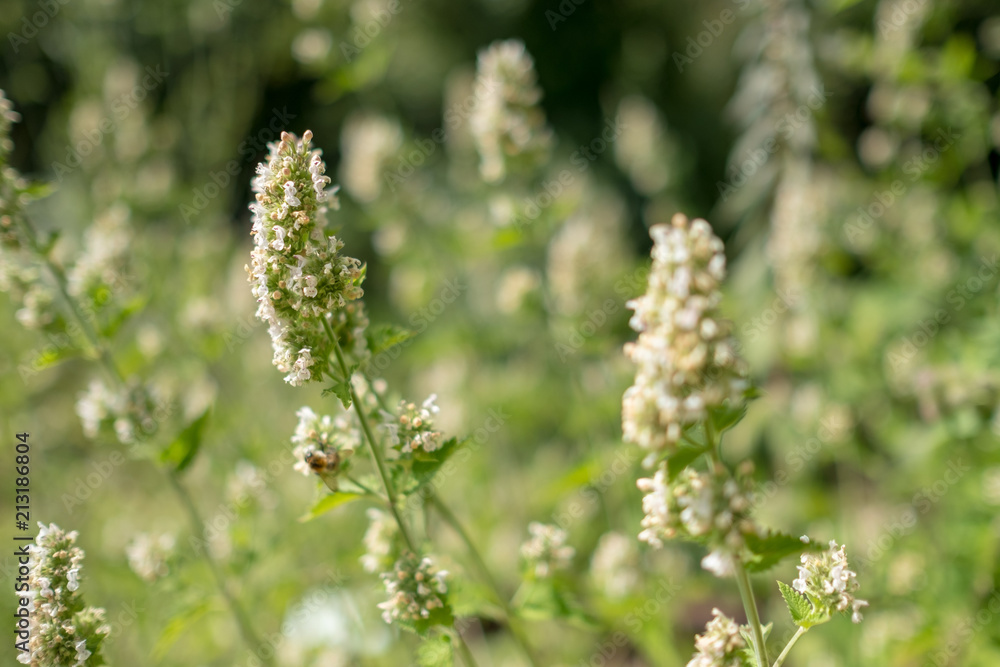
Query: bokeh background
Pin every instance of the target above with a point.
(847, 152)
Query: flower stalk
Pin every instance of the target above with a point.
(373, 447)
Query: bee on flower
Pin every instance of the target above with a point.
(324, 445)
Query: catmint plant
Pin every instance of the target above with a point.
(508, 125)
(690, 386)
(75, 300)
(309, 294)
(64, 631)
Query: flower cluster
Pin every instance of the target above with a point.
(721, 645)
(413, 430)
(131, 410)
(614, 566)
(546, 551)
(828, 583)
(508, 123)
(323, 445)
(415, 587)
(367, 143)
(378, 540)
(64, 633)
(105, 248)
(707, 507)
(686, 359)
(297, 271)
(148, 555)
(11, 183)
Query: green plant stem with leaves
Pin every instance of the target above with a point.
(435, 500)
(107, 363)
(714, 446)
(513, 621)
(373, 447)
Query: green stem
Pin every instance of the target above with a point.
(373, 448)
(363, 487)
(463, 648)
(61, 283)
(107, 362)
(450, 518)
(198, 526)
(742, 579)
(781, 658)
(750, 606)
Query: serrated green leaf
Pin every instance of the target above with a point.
(436, 652)
(181, 452)
(804, 613)
(768, 550)
(799, 607)
(342, 389)
(327, 503)
(119, 318)
(681, 459)
(385, 336)
(726, 417)
(442, 616)
(425, 468)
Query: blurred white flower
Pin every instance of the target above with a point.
(507, 123)
(614, 566)
(415, 588)
(546, 550)
(367, 142)
(148, 555)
